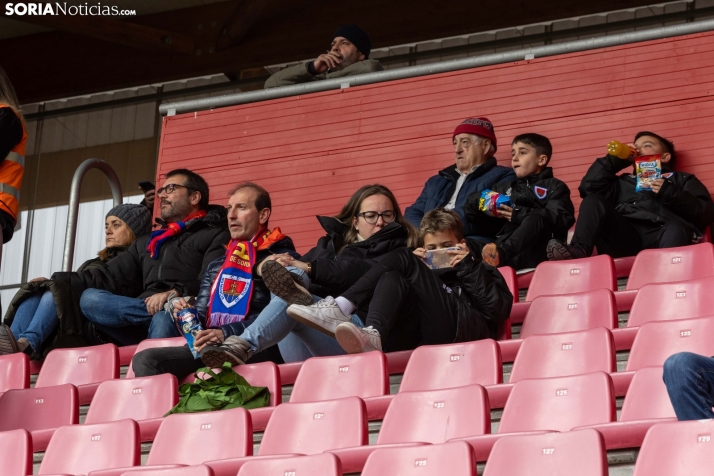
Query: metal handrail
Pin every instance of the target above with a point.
(79, 174)
(171, 109)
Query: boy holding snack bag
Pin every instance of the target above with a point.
(656, 207)
(525, 213)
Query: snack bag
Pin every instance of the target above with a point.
(647, 169)
(490, 202)
(437, 259)
(190, 324)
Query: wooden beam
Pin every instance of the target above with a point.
(239, 23)
(117, 31)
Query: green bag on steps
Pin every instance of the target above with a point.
(222, 391)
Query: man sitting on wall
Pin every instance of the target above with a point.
(348, 55)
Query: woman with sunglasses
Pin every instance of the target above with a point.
(369, 226)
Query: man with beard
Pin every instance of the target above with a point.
(348, 55)
(121, 298)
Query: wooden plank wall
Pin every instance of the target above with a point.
(312, 152)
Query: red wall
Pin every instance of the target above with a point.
(312, 152)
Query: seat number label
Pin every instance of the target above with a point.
(420, 462)
(439, 404)
(318, 416)
(685, 333)
(344, 368)
(676, 260)
(82, 360)
(96, 437)
(574, 271)
(455, 357)
(548, 451)
(572, 306)
(561, 392)
(680, 294)
(206, 426)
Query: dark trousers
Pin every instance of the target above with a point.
(600, 224)
(408, 304)
(525, 247)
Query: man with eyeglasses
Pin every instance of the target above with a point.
(122, 298)
(476, 170)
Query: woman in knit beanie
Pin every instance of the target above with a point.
(32, 317)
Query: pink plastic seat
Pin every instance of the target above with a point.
(305, 429)
(192, 438)
(324, 464)
(665, 302)
(14, 372)
(509, 274)
(16, 453)
(84, 367)
(454, 459)
(552, 454)
(564, 313)
(145, 400)
(646, 403)
(567, 277)
(552, 404)
(81, 449)
(197, 470)
(153, 343)
(556, 355)
(435, 367)
(432, 416)
(682, 448)
(40, 411)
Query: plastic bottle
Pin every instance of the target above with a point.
(620, 150)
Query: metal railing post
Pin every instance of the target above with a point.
(79, 174)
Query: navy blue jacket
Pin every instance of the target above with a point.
(439, 189)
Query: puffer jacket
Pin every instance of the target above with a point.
(180, 266)
(261, 295)
(299, 73)
(438, 191)
(682, 198)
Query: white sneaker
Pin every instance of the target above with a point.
(356, 340)
(324, 315)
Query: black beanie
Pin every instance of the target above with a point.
(357, 36)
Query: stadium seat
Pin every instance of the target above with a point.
(305, 429)
(552, 404)
(197, 470)
(192, 438)
(153, 343)
(432, 416)
(509, 274)
(682, 448)
(550, 454)
(564, 313)
(435, 367)
(664, 302)
(556, 355)
(40, 411)
(324, 464)
(656, 341)
(16, 453)
(84, 367)
(83, 449)
(567, 277)
(145, 400)
(454, 459)
(646, 403)
(667, 265)
(14, 372)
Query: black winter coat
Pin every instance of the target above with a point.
(682, 198)
(555, 206)
(180, 266)
(336, 267)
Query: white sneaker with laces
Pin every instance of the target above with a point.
(324, 316)
(356, 340)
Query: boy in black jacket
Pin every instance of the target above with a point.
(541, 209)
(621, 221)
(410, 304)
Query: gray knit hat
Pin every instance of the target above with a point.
(137, 217)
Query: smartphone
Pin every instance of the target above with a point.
(437, 259)
(145, 186)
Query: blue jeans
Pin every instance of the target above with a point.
(109, 310)
(35, 320)
(690, 383)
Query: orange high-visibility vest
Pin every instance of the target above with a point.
(11, 171)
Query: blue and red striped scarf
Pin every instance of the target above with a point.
(159, 237)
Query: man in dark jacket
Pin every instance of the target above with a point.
(134, 286)
(621, 221)
(412, 305)
(348, 55)
(476, 170)
(541, 208)
(249, 208)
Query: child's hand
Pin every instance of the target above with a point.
(656, 185)
(504, 211)
(420, 252)
(458, 255)
(179, 304)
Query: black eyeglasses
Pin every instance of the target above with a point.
(372, 217)
(170, 188)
